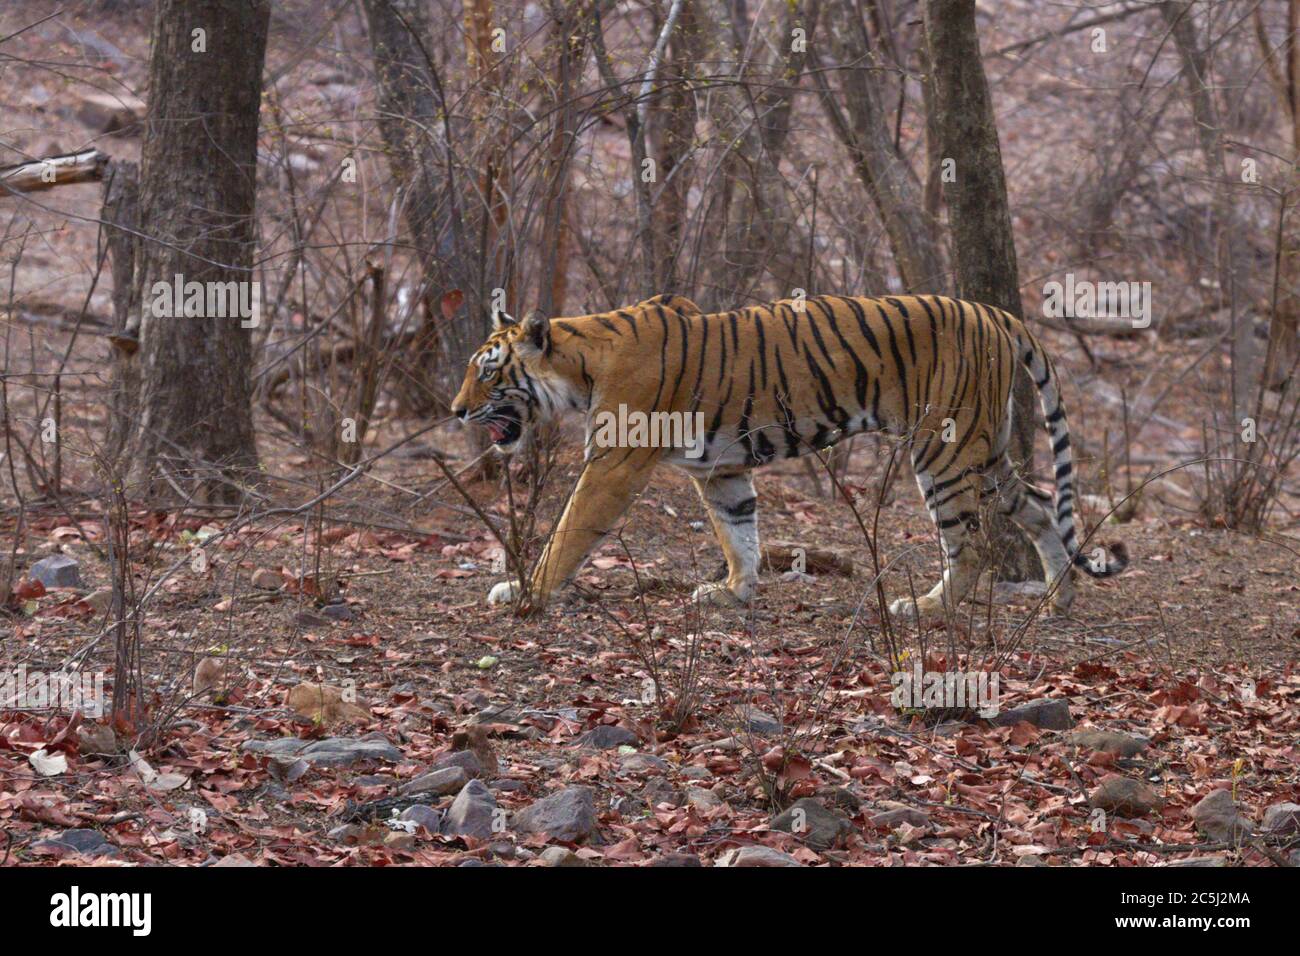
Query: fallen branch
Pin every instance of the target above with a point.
(38, 174)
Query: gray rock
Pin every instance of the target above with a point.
(757, 856)
(702, 799)
(758, 722)
(425, 816)
(57, 571)
(1108, 741)
(439, 783)
(473, 813)
(281, 747)
(813, 823)
(90, 843)
(659, 791)
(330, 752)
(1125, 796)
(464, 759)
(643, 763)
(568, 816)
(1049, 714)
(892, 819)
(608, 737)
(1215, 861)
(560, 856)
(337, 612)
(628, 806)
(287, 769)
(697, 773)
(1282, 818)
(676, 859)
(1217, 817)
(346, 751)
(841, 798)
(508, 785)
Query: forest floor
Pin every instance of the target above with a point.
(1183, 668)
(1187, 661)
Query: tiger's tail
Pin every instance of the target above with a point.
(1039, 366)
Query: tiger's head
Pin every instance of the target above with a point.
(507, 386)
(517, 379)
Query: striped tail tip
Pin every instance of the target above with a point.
(1098, 564)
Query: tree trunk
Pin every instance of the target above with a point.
(984, 250)
(121, 216)
(1232, 294)
(197, 197)
(413, 121)
(859, 120)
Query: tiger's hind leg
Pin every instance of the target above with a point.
(732, 507)
(1030, 510)
(953, 504)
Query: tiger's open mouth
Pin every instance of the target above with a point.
(505, 426)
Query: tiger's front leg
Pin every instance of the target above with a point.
(603, 493)
(732, 507)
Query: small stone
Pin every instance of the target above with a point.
(896, 817)
(330, 752)
(659, 790)
(676, 859)
(758, 722)
(338, 612)
(842, 798)
(424, 816)
(1031, 859)
(643, 763)
(398, 840)
(798, 577)
(1048, 714)
(439, 783)
(568, 816)
(57, 571)
(697, 773)
(560, 856)
(608, 737)
(1282, 819)
(473, 813)
(264, 579)
(757, 856)
(702, 799)
(89, 843)
(1108, 741)
(1217, 817)
(813, 823)
(463, 759)
(508, 785)
(1125, 796)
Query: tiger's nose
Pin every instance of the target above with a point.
(460, 413)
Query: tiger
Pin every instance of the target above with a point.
(775, 382)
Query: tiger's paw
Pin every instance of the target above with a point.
(720, 595)
(503, 593)
(907, 609)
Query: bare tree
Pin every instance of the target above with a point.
(197, 198)
(858, 118)
(984, 251)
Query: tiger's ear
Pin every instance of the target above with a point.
(501, 320)
(669, 300)
(536, 331)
